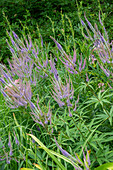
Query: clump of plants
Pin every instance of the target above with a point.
(68, 97)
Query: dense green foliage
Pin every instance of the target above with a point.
(33, 12)
(51, 92)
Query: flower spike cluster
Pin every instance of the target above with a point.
(8, 155)
(39, 117)
(17, 93)
(26, 61)
(70, 63)
(101, 46)
(62, 94)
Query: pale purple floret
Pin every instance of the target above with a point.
(41, 41)
(53, 69)
(87, 79)
(90, 25)
(82, 22)
(41, 67)
(10, 146)
(33, 141)
(59, 46)
(76, 103)
(86, 162)
(106, 35)
(106, 71)
(70, 63)
(32, 105)
(16, 140)
(70, 114)
(80, 64)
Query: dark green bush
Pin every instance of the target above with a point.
(31, 12)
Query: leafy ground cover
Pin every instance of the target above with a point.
(56, 102)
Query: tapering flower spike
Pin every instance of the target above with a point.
(16, 140)
(53, 69)
(10, 146)
(59, 47)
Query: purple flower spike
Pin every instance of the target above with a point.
(2, 80)
(41, 41)
(89, 24)
(83, 154)
(88, 159)
(16, 140)
(65, 153)
(53, 69)
(71, 65)
(82, 22)
(10, 146)
(70, 114)
(87, 79)
(76, 104)
(78, 159)
(15, 35)
(59, 47)
(80, 64)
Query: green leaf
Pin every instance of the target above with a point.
(26, 169)
(48, 151)
(106, 166)
(52, 153)
(67, 130)
(91, 134)
(16, 122)
(110, 115)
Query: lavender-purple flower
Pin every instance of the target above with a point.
(62, 93)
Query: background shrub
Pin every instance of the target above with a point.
(33, 12)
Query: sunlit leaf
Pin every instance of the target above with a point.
(106, 166)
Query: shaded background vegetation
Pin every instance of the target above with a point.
(22, 16)
(33, 12)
